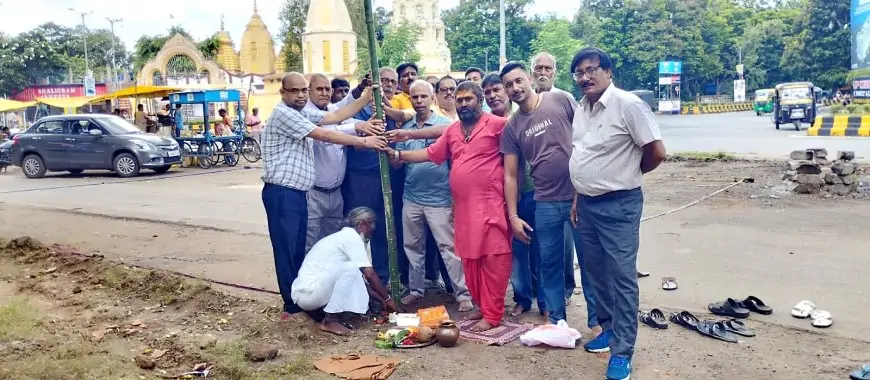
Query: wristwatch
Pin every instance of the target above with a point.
(396, 155)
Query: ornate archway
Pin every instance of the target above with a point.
(179, 57)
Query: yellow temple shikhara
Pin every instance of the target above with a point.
(328, 46)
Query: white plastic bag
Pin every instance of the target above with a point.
(558, 335)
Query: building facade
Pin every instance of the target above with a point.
(432, 45)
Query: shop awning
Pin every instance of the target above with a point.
(133, 91)
(76, 102)
(7, 105)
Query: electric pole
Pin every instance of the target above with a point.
(85, 39)
(112, 22)
(502, 47)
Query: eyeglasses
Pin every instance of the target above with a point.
(447, 90)
(295, 91)
(590, 73)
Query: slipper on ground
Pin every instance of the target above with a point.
(803, 309)
(821, 319)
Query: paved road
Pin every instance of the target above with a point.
(748, 134)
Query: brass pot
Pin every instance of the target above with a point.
(447, 334)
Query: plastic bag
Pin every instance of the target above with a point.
(558, 335)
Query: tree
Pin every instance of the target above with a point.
(472, 32)
(147, 47)
(293, 14)
(555, 39)
(818, 50)
(399, 45)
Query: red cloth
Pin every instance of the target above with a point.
(477, 187)
(487, 281)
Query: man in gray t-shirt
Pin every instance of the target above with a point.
(540, 131)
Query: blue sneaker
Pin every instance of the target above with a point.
(600, 344)
(619, 368)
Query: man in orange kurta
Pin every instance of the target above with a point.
(482, 237)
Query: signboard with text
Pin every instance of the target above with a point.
(861, 88)
(90, 87)
(57, 91)
(739, 91)
(670, 67)
(860, 24)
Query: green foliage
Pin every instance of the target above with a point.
(837, 108)
(555, 39)
(818, 49)
(147, 47)
(53, 53)
(399, 45)
(852, 108)
(472, 32)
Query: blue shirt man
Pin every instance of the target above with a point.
(425, 182)
(179, 120)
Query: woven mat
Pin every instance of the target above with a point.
(507, 332)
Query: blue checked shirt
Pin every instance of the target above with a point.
(288, 153)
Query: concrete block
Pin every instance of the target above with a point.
(821, 161)
(789, 175)
(843, 168)
(833, 179)
(848, 179)
(819, 152)
(807, 189)
(845, 155)
(801, 155)
(804, 167)
(840, 189)
(809, 179)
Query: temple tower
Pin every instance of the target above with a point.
(329, 42)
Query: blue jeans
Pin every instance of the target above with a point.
(609, 229)
(287, 216)
(550, 220)
(525, 275)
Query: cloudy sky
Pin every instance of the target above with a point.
(200, 17)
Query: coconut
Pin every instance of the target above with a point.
(425, 334)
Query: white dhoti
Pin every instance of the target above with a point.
(341, 289)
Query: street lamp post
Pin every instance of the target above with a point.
(112, 22)
(502, 47)
(85, 39)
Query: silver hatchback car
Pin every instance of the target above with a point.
(76, 143)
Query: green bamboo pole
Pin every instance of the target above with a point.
(395, 288)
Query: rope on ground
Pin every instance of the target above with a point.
(687, 205)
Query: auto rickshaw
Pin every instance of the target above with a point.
(763, 103)
(794, 103)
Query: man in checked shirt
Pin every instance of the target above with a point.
(288, 171)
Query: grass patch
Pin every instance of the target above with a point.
(18, 320)
(702, 156)
(66, 361)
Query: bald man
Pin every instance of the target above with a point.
(288, 171)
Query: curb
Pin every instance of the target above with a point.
(841, 126)
(717, 108)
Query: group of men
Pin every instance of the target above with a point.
(484, 196)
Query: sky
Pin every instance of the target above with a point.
(201, 18)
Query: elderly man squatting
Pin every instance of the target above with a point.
(337, 276)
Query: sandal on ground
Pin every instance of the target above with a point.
(685, 319)
(654, 318)
(862, 373)
(803, 309)
(669, 283)
(821, 319)
(642, 274)
(716, 330)
(739, 328)
(753, 303)
(728, 308)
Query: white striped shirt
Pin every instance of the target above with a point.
(608, 142)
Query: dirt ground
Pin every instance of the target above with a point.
(74, 310)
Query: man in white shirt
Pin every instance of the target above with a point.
(616, 140)
(337, 275)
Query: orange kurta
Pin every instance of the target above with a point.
(482, 236)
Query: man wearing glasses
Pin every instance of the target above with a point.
(616, 141)
(288, 172)
(445, 94)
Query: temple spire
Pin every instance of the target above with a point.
(255, 6)
(222, 22)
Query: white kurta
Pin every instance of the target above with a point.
(330, 275)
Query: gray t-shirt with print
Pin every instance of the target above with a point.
(543, 137)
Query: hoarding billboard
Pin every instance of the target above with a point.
(860, 23)
(676, 67)
(861, 88)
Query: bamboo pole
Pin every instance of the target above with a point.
(395, 288)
